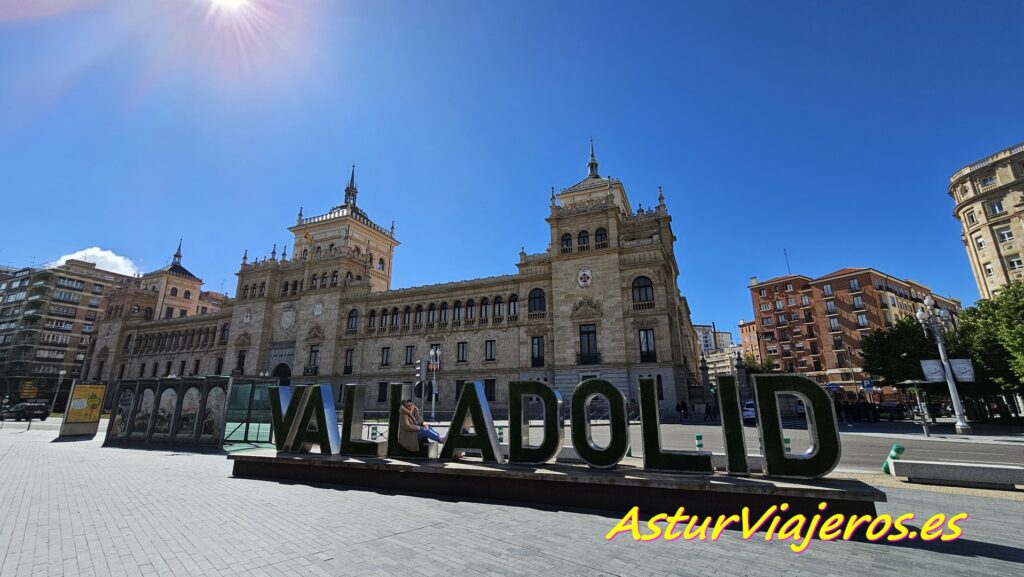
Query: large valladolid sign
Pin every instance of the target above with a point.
(305, 417)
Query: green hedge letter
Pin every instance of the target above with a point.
(519, 448)
(473, 403)
(618, 427)
(654, 456)
(284, 405)
(732, 426)
(823, 454)
(352, 424)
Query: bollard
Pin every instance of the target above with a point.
(785, 442)
(373, 432)
(895, 453)
(699, 439)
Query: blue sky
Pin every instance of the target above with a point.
(828, 129)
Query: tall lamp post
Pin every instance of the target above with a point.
(60, 379)
(435, 361)
(932, 318)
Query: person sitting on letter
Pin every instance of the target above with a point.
(412, 430)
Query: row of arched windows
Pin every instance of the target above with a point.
(319, 251)
(117, 311)
(583, 241)
(187, 295)
(316, 281)
(174, 340)
(469, 311)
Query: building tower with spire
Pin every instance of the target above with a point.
(351, 191)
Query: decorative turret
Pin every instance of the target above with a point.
(592, 165)
(273, 252)
(351, 191)
(299, 220)
(245, 257)
(177, 255)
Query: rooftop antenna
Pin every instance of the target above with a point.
(786, 254)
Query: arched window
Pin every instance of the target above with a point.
(444, 312)
(295, 286)
(513, 306)
(470, 309)
(263, 289)
(485, 308)
(419, 315)
(174, 291)
(305, 253)
(284, 288)
(394, 316)
(584, 240)
(383, 318)
(566, 243)
(188, 295)
(348, 276)
(380, 264)
(334, 278)
(245, 292)
(323, 280)
(135, 309)
(643, 290)
(407, 316)
(353, 319)
(601, 238)
(457, 312)
(224, 333)
(318, 251)
(536, 301)
(312, 282)
(432, 313)
(147, 314)
(498, 308)
(371, 323)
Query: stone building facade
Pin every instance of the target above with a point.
(989, 197)
(600, 301)
(815, 326)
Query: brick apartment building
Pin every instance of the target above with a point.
(814, 326)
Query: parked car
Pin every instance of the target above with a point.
(749, 414)
(892, 410)
(25, 411)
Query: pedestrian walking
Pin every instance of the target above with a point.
(679, 410)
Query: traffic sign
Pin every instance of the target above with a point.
(867, 384)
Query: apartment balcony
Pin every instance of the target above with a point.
(601, 245)
(351, 331)
(644, 306)
(588, 358)
(513, 318)
(537, 315)
(483, 321)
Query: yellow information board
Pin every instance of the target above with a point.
(28, 390)
(85, 403)
(82, 415)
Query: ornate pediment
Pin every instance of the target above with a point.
(585, 308)
(243, 340)
(536, 331)
(315, 334)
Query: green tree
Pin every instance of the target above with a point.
(756, 367)
(894, 354)
(1007, 314)
(977, 337)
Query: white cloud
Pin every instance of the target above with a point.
(104, 259)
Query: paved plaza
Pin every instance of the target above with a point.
(75, 508)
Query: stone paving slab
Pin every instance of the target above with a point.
(74, 508)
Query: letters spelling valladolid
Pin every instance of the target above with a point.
(304, 417)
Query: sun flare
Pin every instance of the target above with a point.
(228, 5)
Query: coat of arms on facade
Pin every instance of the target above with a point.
(584, 277)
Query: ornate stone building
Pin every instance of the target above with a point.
(989, 196)
(600, 301)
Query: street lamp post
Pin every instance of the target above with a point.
(932, 318)
(435, 361)
(60, 379)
